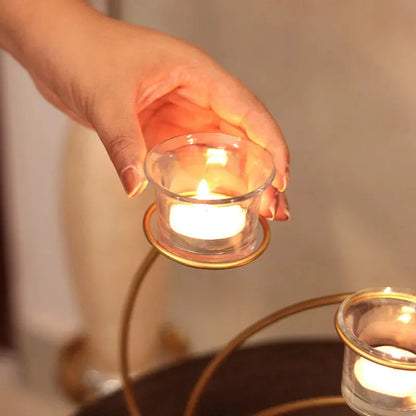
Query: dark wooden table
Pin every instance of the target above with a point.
(250, 380)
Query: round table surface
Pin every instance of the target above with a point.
(252, 379)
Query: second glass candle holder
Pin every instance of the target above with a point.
(378, 327)
(208, 189)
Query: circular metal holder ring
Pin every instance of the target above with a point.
(199, 264)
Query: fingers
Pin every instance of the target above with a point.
(274, 205)
(119, 130)
(233, 102)
(263, 130)
(283, 212)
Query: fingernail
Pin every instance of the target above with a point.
(287, 214)
(273, 206)
(271, 214)
(131, 181)
(282, 183)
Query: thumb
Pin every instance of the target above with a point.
(120, 132)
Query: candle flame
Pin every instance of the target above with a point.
(204, 221)
(218, 156)
(203, 190)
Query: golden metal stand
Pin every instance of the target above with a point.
(294, 406)
(233, 344)
(247, 333)
(125, 330)
(138, 280)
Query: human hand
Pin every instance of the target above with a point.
(137, 87)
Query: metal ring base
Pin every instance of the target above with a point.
(200, 264)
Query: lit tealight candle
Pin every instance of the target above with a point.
(386, 380)
(208, 222)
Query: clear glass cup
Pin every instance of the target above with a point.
(379, 324)
(208, 188)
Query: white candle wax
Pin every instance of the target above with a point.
(208, 222)
(386, 380)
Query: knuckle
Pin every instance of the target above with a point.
(119, 145)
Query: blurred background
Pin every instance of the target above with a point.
(339, 77)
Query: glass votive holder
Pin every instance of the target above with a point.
(378, 327)
(208, 188)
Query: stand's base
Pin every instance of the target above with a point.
(251, 380)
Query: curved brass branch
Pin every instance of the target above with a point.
(247, 333)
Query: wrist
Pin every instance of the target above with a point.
(27, 27)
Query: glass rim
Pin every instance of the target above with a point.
(404, 294)
(222, 201)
